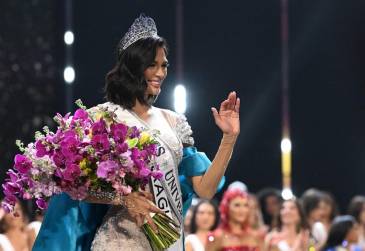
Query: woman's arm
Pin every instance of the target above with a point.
(188, 246)
(139, 205)
(227, 119)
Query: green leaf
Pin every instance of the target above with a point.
(132, 142)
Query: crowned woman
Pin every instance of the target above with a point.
(105, 222)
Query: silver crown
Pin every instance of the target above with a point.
(142, 27)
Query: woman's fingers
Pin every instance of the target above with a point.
(146, 194)
(150, 222)
(139, 220)
(237, 105)
(224, 105)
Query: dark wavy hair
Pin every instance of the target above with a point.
(302, 223)
(125, 83)
(356, 206)
(310, 200)
(341, 226)
(193, 226)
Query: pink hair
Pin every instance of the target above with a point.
(229, 195)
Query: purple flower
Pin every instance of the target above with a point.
(69, 146)
(134, 132)
(106, 168)
(121, 148)
(80, 114)
(144, 172)
(41, 203)
(100, 142)
(157, 175)
(41, 149)
(22, 163)
(135, 154)
(12, 175)
(99, 127)
(11, 188)
(119, 132)
(8, 206)
(59, 159)
(71, 172)
(151, 149)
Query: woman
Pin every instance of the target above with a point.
(315, 210)
(292, 233)
(330, 209)
(343, 235)
(234, 232)
(357, 210)
(204, 219)
(255, 218)
(131, 89)
(14, 236)
(270, 199)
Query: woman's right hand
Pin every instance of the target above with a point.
(139, 206)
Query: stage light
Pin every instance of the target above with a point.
(180, 99)
(286, 145)
(69, 37)
(287, 194)
(69, 74)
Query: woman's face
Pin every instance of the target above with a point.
(318, 213)
(238, 210)
(289, 213)
(353, 235)
(156, 73)
(327, 211)
(253, 206)
(362, 215)
(205, 217)
(12, 221)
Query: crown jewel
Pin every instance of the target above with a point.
(142, 27)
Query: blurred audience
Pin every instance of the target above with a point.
(205, 217)
(343, 235)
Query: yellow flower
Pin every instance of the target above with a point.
(84, 164)
(98, 115)
(144, 138)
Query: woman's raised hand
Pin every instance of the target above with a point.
(227, 118)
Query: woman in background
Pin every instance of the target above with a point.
(234, 232)
(255, 218)
(292, 233)
(14, 236)
(343, 235)
(357, 210)
(204, 219)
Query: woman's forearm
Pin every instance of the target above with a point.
(104, 198)
(205, 186)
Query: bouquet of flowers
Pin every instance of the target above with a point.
(89, 153)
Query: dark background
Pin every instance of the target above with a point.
(229, 45)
